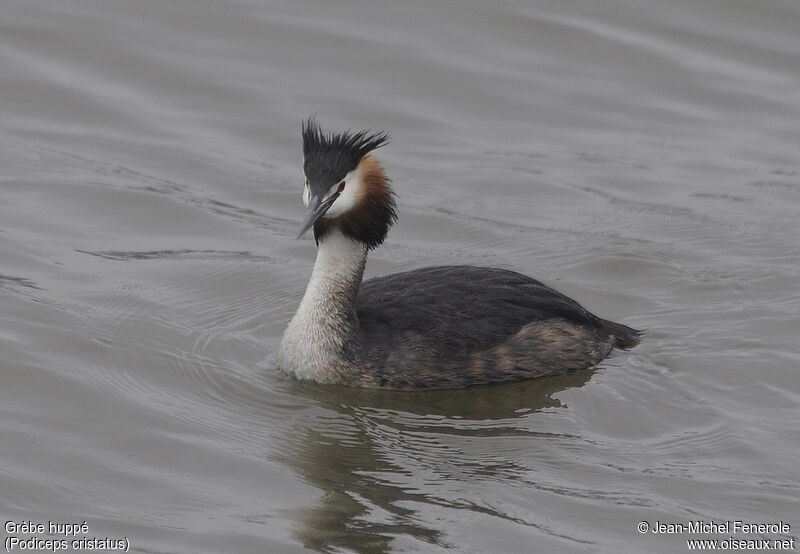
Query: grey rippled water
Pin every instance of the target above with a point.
(640, 155)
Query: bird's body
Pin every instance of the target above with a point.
(435, 327)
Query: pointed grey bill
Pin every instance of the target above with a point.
(316, 209)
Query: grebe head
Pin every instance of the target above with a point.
(345, 187)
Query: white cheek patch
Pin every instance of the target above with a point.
(349, 196)
(306, 195)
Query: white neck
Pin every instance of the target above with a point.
(326, 318)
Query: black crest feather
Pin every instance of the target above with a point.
(329, 157)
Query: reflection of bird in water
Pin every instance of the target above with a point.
(503, 402)
(436, 327)
(367, 444)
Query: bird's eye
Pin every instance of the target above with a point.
(341, 187)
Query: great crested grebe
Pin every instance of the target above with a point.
(430, 328)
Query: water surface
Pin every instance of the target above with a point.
(640, 156)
